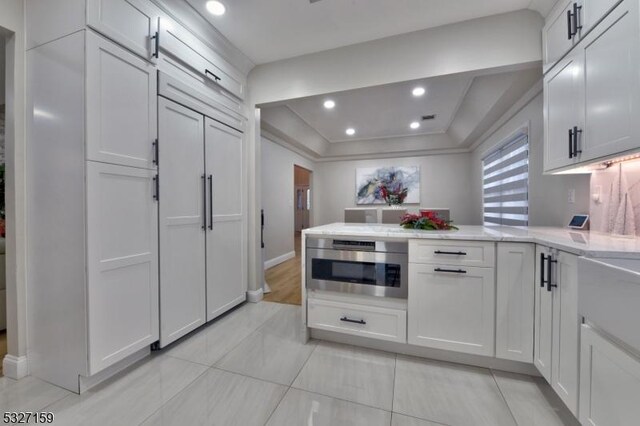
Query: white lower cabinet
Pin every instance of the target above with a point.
(557, 323)
(515, 301)
(609, 382)
(452, 308)
(360, 320)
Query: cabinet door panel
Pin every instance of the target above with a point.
(611, 55)
(514, 301)
(555, 34)
(226, 234)
(609, 382)
(452, 311)
(121, 105)
(562, 111)
(122, 253)
(130, 23)
(543, 318)
(566, 329)
(593, 11)
(182, 237)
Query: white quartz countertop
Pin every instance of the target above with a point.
(582, 243)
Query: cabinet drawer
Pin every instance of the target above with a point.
(367, 321)
(187, 48)
(467, 253)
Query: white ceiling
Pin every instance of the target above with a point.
(384, 111)
(269, 30)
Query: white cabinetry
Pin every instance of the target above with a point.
(609, 382)
(558, 34)
(515, 301)
(93, 240)
(182, 220)
(557, 323)
(451, 306)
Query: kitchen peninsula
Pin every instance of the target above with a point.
(499, 297)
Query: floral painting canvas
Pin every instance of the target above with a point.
(370, 181)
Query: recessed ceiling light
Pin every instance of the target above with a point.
(414, 125)
(418, 91)
(216, 8)
(350, 131)
(329, 104)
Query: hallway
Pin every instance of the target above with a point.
(285, 278)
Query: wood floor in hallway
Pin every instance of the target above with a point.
(285, 278)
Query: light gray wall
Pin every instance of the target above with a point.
(444, 182)
(548, 194)
(2, 67)
(278, 197)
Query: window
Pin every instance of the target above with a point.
(505, 183)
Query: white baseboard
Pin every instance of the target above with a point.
(278, 260)
(15, 367)
(254, 296)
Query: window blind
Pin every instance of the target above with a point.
(506, 183)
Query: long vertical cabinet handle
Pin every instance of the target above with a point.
(204, 201)
(569, 25)
(543, 260)
(576, 132)
(156, 38)
(211, 202)
(156, 187)
(576, 18)
(570, 143)
(156, 152)
(550, 284)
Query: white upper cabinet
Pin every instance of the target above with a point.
(188, 49)
(131, 23)
(122, 262)
(515, 301)
(226, 233)
(562, 118)
(558, 34)
(593, 11)
(121, 105)
(611, 84)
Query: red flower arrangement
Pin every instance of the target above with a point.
(426, 220)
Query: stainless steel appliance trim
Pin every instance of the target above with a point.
(338, 243)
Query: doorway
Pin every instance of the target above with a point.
(285, 278)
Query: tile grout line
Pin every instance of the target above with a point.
(393, 389)
(493, 376)
(284, 394)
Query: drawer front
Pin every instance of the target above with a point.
(466, 253)
(367, 321)
(181, 44)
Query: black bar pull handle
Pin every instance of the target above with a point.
(215, 77)
(156, 38)
(576, 18)
(543, 260)
(576, 132)
(569, 25)
(156, 187)
(549, 283)
(454, 253)
(204, 201)
(156, 152)
(211, 202)
(452, 271)
(346, 319)
(570, 143)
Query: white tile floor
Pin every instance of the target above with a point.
(251, 368)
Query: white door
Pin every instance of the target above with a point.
(122, 258)
(609, 382)
(452, 308)
(566, 330)
(558, 34)
(121, 105)
(182, 233)
(563, 113)
(131, 23)
(611, 55)
(543, 318)
(515, 301)
(226, 234)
